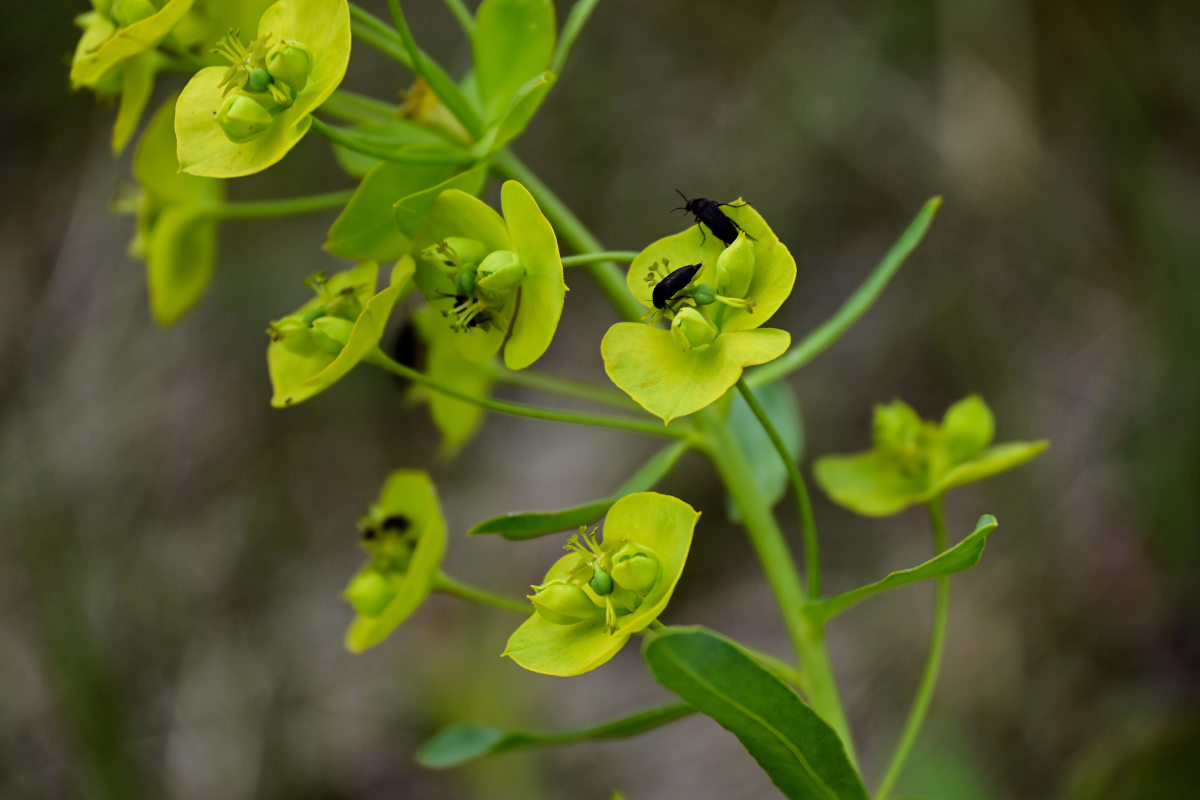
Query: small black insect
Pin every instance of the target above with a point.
(708, 212)
(666, 289)
(396, 522)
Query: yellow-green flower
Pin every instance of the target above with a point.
(604, 591)
(117, 54)
(915, 460)
(326, 337)
(714, 317)
(472, 265)
(243, 118)
(405, 535)
(176, 222)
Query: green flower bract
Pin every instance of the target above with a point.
(675, 373)
(323, 27)
(914, 461)
(410, 495)
(656, 522)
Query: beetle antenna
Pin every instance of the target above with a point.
(685, 202)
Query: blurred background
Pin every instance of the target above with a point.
(173, 549)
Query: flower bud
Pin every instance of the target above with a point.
(369, 592)
(690, 329)
(563, 603)
(635, 568)
(500, 272)
(127, 12)
(601, 582)
(289, 63)
(243, 119)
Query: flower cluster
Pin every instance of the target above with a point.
(716, 299)
(243, 118)
(914, 460)
(404, 534)
(472, 265)
(603, 591)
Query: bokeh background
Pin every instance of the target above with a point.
(172, 549)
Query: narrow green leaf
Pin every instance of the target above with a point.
(779, 401)
(520, 525)
(795, 747)
(831, 330)
(576, 19)
(459, 744)
(962, 556)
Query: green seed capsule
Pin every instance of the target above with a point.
(501, 272)
(127, 12)
(602, 582)
(369, 593)
(243, 119)
(636, 569)
(331, 333)
(290, 63)
(690, 329)
(563, 603)
(258, 80)
(704, 295)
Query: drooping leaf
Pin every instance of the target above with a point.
(798, 750)
(961, 556)
(779, 401)
(520, 525)
(366, 230)
(459, 744)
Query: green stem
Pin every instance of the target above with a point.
(444, 583)
(606, 274)
(380, 359)
(564, 387)
(286, 207)
(808, 525)
(440, 82)
(583, 259)
(854, 307)
(462, 15)
(937, 644)
(378, 34)
(412, 154)
(808, 637)
(355, 107)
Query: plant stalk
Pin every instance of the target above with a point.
(933, 661)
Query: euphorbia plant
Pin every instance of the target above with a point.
(691, 315)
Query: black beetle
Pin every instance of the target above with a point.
(666, 289)
(709, 213)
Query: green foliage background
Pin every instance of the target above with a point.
(171, 549)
